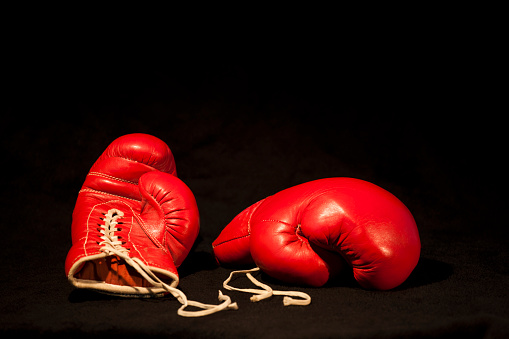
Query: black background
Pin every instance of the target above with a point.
(412, 110)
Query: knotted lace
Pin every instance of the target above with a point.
(267, 291)
(113, 246)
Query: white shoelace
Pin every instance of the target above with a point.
(267, 291)
(113, 246)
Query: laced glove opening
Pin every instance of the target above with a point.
(134, 272)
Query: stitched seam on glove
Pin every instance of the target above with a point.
(99, 174)
(224, 242)
(275, 220)
(140, 162)
(144, 228)
(92, 209)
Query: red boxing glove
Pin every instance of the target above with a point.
(134, 223)
(304, 234)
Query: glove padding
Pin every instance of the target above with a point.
(134, 223)
(308, 233)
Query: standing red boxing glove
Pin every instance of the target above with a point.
(134, 223)
(306, 233)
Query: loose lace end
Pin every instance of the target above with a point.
(112, 246)
(306, 300)
(267, 291)
(207, 309)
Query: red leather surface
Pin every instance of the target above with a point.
(305, 233)
(136, 175)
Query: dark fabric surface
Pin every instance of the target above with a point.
(422, 128)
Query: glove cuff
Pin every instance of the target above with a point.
(109, 274)
(111, 265)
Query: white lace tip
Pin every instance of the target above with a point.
(261, 296)
(288, 301)
(231, 306)
(254, 298)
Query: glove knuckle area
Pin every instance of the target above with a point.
(279, 250)
(370, 227)
(143, 149)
